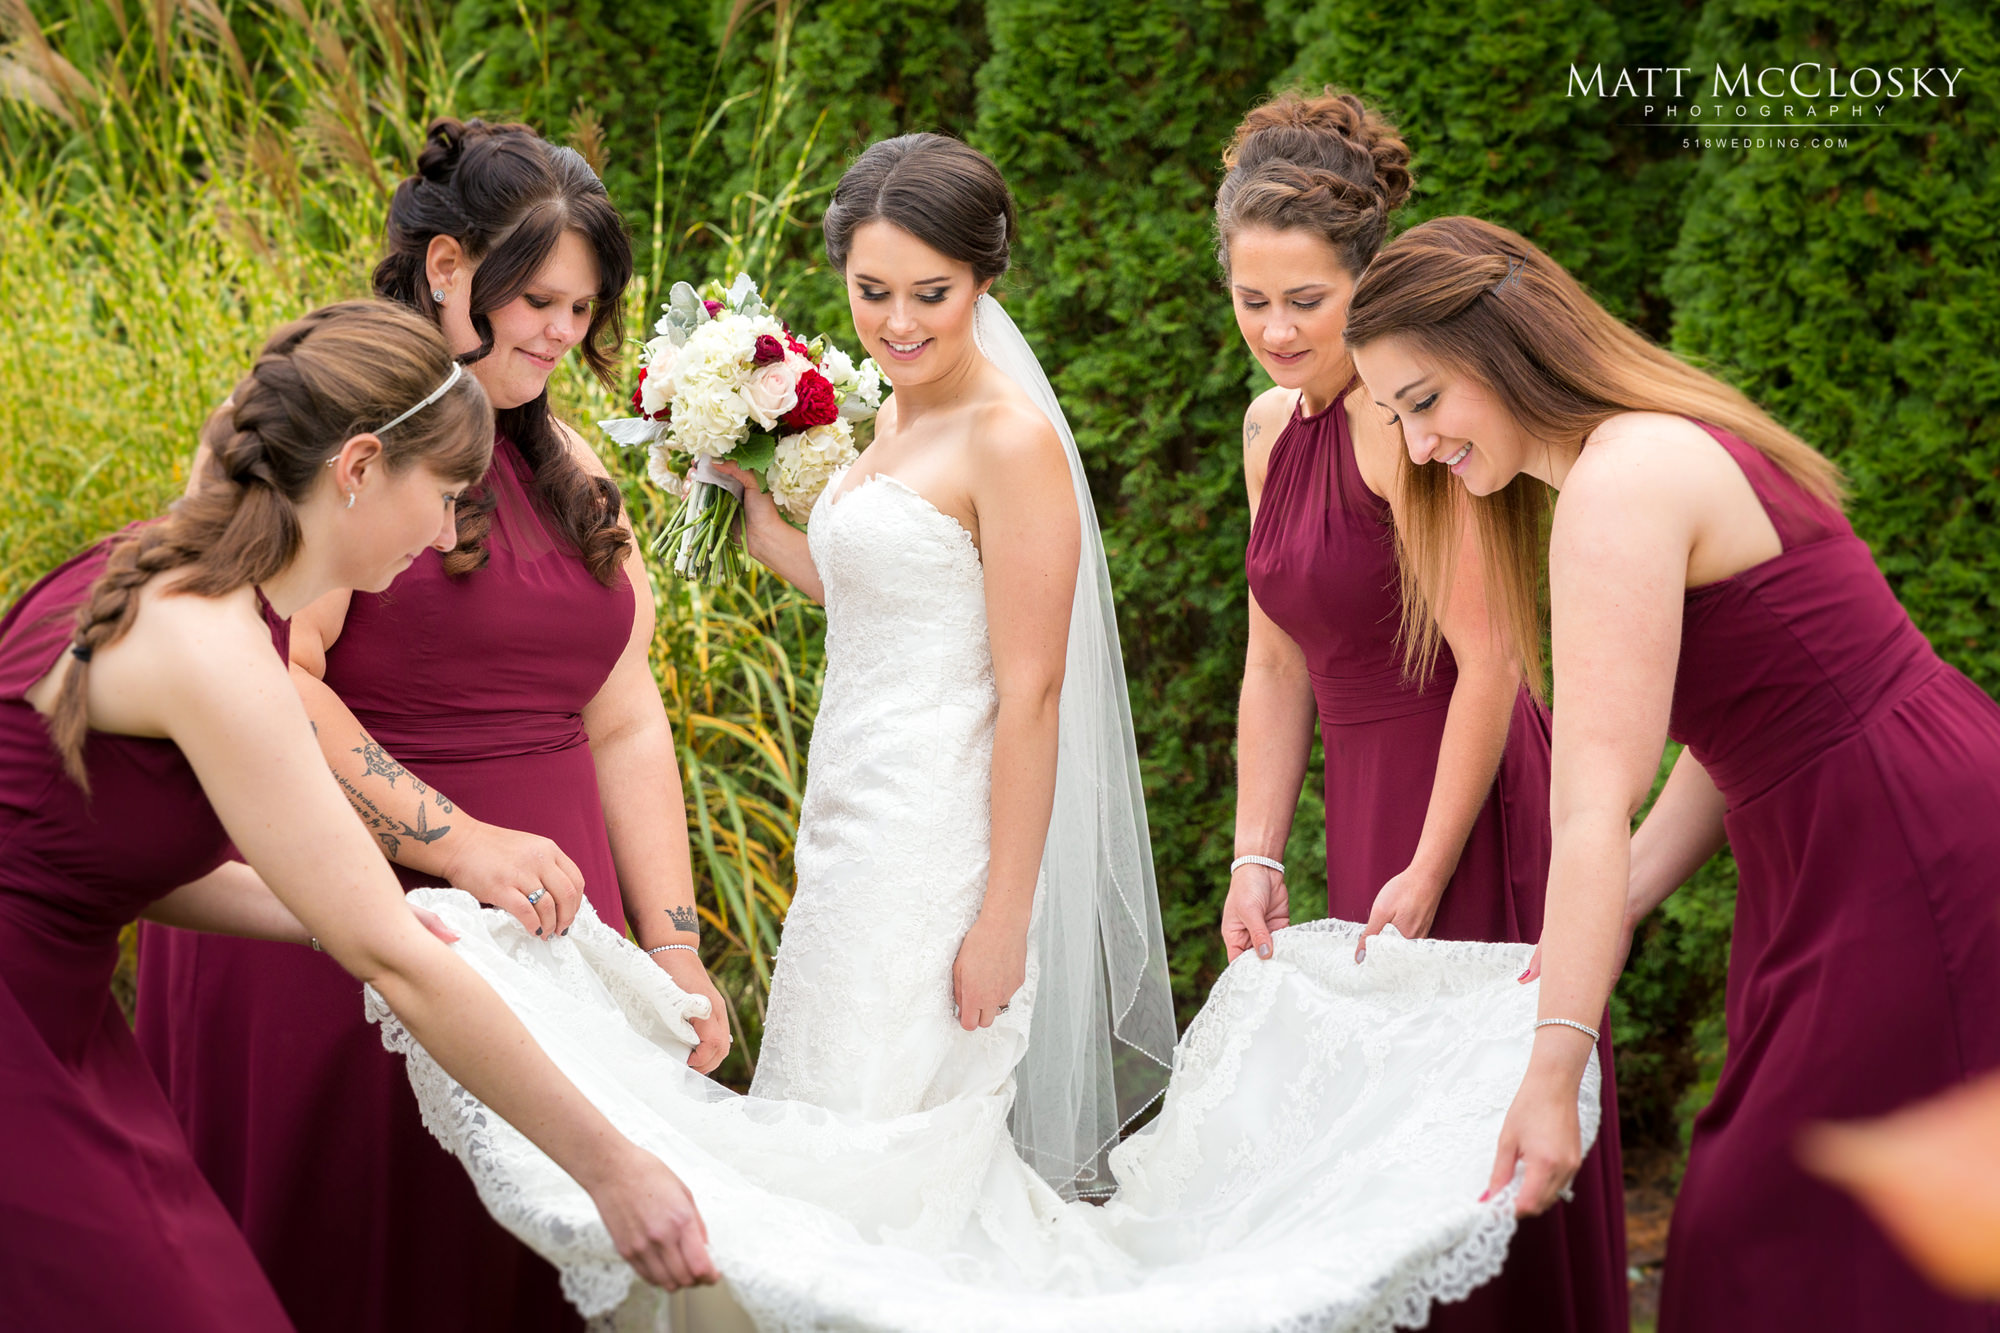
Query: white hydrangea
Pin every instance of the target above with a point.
(805, 463)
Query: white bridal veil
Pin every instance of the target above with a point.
(1101, 1043)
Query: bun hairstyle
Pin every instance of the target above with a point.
(942, 191)
(507, 196)
(1325, 164)
(343, 370)
(1486, 302)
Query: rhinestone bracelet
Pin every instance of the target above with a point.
(1588, 1031)
(664, 947)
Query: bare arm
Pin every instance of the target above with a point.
(1469, 751)
(1275, 717)
(645, 811)
(203, 676)
(1617, 572)
(232, 899)
(1680, 833)
(1030, 537)
(414, 824)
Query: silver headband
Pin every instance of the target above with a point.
(437, 393)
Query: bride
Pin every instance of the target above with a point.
(971, 1001)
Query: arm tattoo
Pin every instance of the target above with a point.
(423, 832)
(1251, 431)
(684, 919)
(444, 804)
(380, 763)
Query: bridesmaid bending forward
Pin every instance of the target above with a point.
(146, 721)
(1436, 789)
(1704, 585)
(493, 719)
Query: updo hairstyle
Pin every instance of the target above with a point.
(1325, 164)
(507, 195)
(343, 370)
(942, 191)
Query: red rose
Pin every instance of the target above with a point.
(769, 349)
(816, 406)
(792, 340)
(638, 392)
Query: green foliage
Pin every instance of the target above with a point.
(1478, 90)
(1856, 294)
(1109, 121)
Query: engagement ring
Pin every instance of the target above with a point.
(536, 896)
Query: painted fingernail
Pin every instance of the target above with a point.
(1524, 975)
(1484, 1197)
(538, 930)
(1263, 951)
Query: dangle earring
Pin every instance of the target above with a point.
(350, 499)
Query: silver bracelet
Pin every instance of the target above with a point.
(664, 947)
(1590, 1032)
(1242, 861)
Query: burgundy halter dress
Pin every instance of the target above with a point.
(304, 1124)
(1862, 777)
(1322, 564)
(105, 1221)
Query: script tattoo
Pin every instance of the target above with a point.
(444, 804)
(684, 919)
(371, 815)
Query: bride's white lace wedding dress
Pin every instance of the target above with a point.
(1324, 1140)
(894, 830)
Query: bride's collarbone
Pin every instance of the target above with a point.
(936, 471)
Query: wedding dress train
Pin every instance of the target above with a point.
(1316, 1165)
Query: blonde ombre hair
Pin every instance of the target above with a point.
(1486, 302)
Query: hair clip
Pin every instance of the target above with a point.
(1515, 264)
(80, 651)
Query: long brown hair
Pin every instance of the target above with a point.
(341, 371)
(1487, 303)
(507, 195)
(1327, 164)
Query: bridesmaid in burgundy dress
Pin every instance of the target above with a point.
(495, 723)
(127, 764)
(493, 719)
(1704, 585)
(1436, 792)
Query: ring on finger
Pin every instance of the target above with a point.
(537, 896)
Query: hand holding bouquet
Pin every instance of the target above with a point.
(725, 378)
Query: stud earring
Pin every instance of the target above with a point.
(350, 499)
(437, 294)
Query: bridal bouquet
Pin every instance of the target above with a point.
(725, 378)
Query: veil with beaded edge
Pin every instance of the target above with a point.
(1101, 1041)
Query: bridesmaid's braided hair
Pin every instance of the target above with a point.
(507, 195)
(1325, 164)
(341, 371)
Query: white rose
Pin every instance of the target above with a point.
(838, 367)
(864, 400)
(772, 391)
(657, 390)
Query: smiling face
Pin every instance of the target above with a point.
(1290, 291)
(1448, 418)
(532, 332)
(912, 306)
